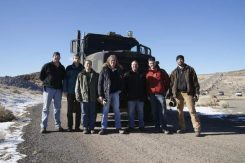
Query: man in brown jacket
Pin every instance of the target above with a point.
(185, 88)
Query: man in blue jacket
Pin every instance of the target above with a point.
(73, 106)
(52, 75)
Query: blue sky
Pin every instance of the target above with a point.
(210, 34)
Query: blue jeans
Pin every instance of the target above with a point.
(88, 114)
(158, 107)
(48, 95)
(114, 102)
(139, 106)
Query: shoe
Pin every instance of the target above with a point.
(167, 132)
(142, 129)
(60, 129)
(158, 130)
(197, 133)
(69, 130)
(121, 131)
(181, 131)
(43, 131)
(93, 132)
(86, 131)
(78, 130)
(130, 129)
(102, 132)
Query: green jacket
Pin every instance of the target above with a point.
(87, 91)
(191, 80)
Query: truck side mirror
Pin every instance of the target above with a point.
(74, 47)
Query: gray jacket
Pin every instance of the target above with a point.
(87, 92)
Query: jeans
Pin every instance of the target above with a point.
(88, 114)
(139, 106)
(114, 101)
(158, 106)
(73, 106)
(48, 95)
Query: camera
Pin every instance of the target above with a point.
(104, 102)
(172, 102)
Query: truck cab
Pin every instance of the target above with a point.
(98, 47)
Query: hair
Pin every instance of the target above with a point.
(56, 53)
(180, 57)
(111, 57)
(77, 55)
(151, 59)
(135, 61)
(87, 60)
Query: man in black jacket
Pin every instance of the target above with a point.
(52, 75)
(135, 84)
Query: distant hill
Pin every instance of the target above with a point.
(28, 81)
(228, 82)
(236, 73)
(33, 77)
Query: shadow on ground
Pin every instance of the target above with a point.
(225, 124)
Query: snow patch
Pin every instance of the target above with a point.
(9, 142)
(215, 113)
(11, 132)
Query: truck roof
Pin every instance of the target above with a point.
(97, 42)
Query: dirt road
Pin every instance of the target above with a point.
(222, 141)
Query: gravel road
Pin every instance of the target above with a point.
(222, 141)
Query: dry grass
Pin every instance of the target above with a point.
(208, 101)
(224, 104)
(16, 91)
(6, 115)
(212, 101)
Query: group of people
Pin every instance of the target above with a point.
(84, 87)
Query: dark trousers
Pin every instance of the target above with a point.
(73, 106)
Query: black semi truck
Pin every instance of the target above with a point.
(98, 47)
